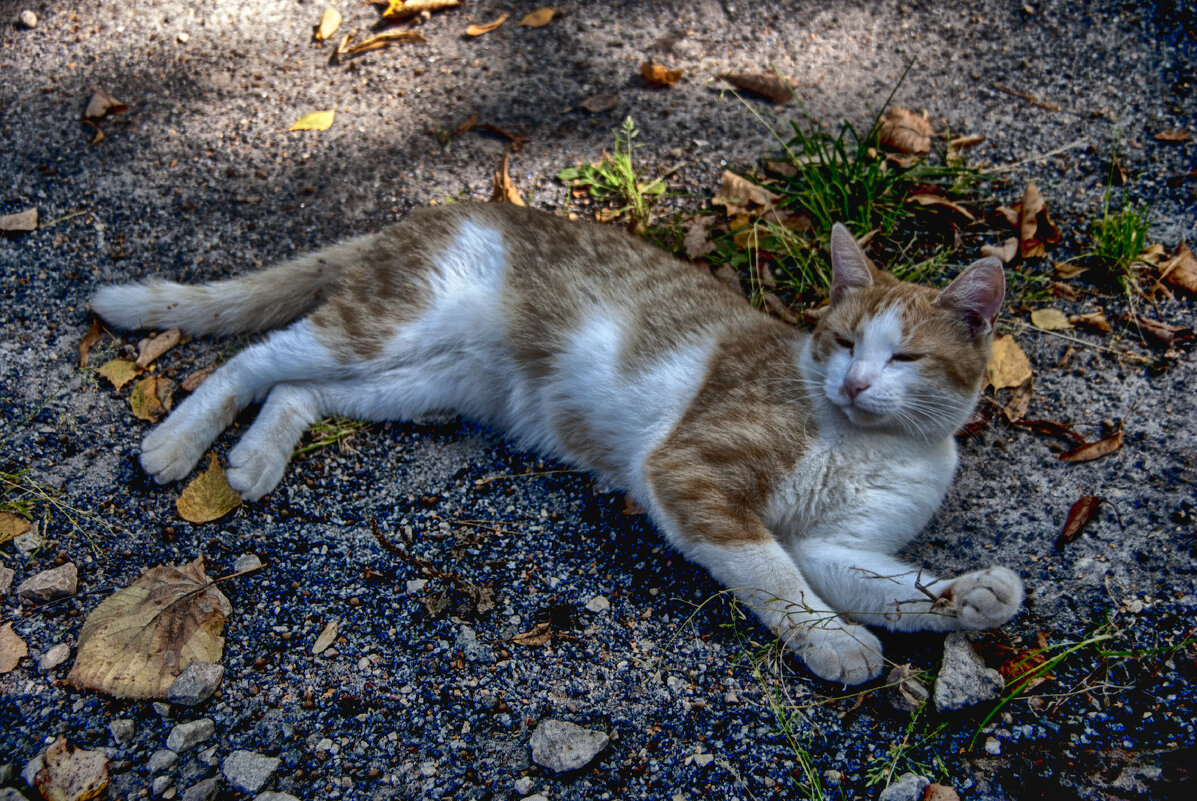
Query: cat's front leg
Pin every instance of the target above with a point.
(764, 577)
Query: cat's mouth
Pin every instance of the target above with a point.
(858, 415)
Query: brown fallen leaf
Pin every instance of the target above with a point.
(19, 223)
(465, 125)
(12, 649)
(315, 121)
(88, 342)
(597, 104)
(401, 9)
(69, 773)
(1004, 252)
(1094, 320)
(939, 792)
(478, 30)
(102, 104)
(1008, 365)
(1084, 510)
(504, 190)
(517, 140)
(1035, 228)
(330, 20)
(140, 638)
(119, 372)
(150, 349)
(328, 635)
(12, 526)
(538, 18)
(768, 85)
(151, 398)
(1093, 450)
(191, 382)
(208, 497)
(540, 634)
(906, 132)
(1066, 269)
(1159, 331)
(1181, 269)
(924, 199)
(1052, 429)
(379, 41)
(738, 195)
(1050, 320)
(964, 142)
(1173, 136)
(658, 75)
(1020, 400)
(697, 243)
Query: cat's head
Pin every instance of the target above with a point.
(899, 356)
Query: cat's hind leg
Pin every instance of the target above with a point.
(257, 464)
(880, 590)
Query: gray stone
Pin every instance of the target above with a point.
(963, 679)
(5, 580)
(563, 746)
(27, 20)
(54, 657)
(908, 693)
(523, 785)
(907, 787)
(201, 791)
(160, 784)
(122, 730)
(196, 683)
(472, 648)
(50, 585)
(185, 735)
(161, 761)
(29, 543)
(537, 797)
(271, 795)
(247, 771)
(30, 771)
(162, 708)
(246, 561)
(598, 604)
(9, 794)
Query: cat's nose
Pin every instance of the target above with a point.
(854, 385)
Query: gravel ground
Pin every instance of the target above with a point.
(422, 698)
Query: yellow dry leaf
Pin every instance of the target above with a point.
(150, 349)
(478, 30)
(316, 121)
(101, 104)
(208, 497)
(538, 18)
(12, 526)
(1069, 269)
(330, 20)
(119, 372)
(1004, 252)
(1095, 320)
(12, 649)
(904, 131)
(71, 774)
(140, 638)
(18, 223)
(400, 9)
(769, 85)
(151, 398)
(658, 75)
(380, 41)
(1008, 364)
(1050, 320)
(504, 190)
(327, 637)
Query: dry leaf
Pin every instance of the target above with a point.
(1008, 364)
(140, 638)
(377, 42)
(697, 243)
(538, 18)
(658, 75)
(19, 223)
(940, 201)
(1035, 229)
(517, 140)
(478, 30)
(467, 124)
(71, 774)
(12, 526)
(904, 131)
(504, 190)
(1164, 333)
(150, 349)
(88, 342)
(1051, 428)
(401, 9)
(1081, 513)
(101, 104)
(1093, 450)
(151, 398)
(191, 383)
(1095, 320)
(1066, 269)
(1004, 253)
(12, 649)
(739, 195)
(597, 104)
(1050, 320)
(1174, 136)
(316, 121)
(769, 85)
(540, 634)
(1181, 269)
(328, 635)
(1020, 400)
(119, 372)
(939, 792)
(330, 20)
(208, 497)
(964, 142)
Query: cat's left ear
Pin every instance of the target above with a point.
(976, 295)
(849, 265)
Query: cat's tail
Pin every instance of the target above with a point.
(256, 302)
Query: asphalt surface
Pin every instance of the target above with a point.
(200, 178)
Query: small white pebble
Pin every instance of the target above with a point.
(27, 19)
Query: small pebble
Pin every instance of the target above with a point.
(246, 561)
(161, 761)
(598, 604)
(122, 730)
(5, 580)
(247, 771)
(523, 785)
(186, 735)
(54, 657)
(160, 784)
(50, 585)
(27, 20)
(196, 683)
(992, 746)
(202, 791)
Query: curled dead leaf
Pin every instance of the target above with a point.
(140, 638)
(658, 75)
(1093, 450)
(315, 121)
(1050, 320)
(19, 223)
(504, 190)
(151, 398)
(12, 649)
(1066, 269)
(191, 382)
(478, 30)
(540, 634)
(71, 774)
(1008, 365)
(88, 342)
(402, 9)
(377, 42)
(768, 85)
(1173, 136)
(1084, 510)
(964, 142)
(1181, 269)
(740, 195)
(1094, 320)
(102, 104)
(150, 349)
(538, 18)
(1016, 406)
(1035, 228)
(208, 497)
(904, 131)
(939, 201)
(12, 526)
(1004, 252)
(328, 635)
(330, 20)
(119, 372)
(597, 104)
(1160, 332)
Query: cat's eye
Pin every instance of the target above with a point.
(906, 357)
(844, 342)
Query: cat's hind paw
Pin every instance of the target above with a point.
(986, 598)
(846, 654)
(168, 454)
(255, 471)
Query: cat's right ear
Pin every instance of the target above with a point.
(849, 265)
(976, 295)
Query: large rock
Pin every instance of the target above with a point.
(50, 585)
(963, 679)
(185, 735)
(196, 683)
(247, 771)
(908, 787)
(563, 746)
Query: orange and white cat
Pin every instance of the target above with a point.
(789, 465)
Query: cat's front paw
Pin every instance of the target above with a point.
(170, 451)
(255, 470)
(844, 654)
(986, 598)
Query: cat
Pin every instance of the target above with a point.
(789, 465)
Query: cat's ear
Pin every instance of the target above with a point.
(849, 265)
(976, 295)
